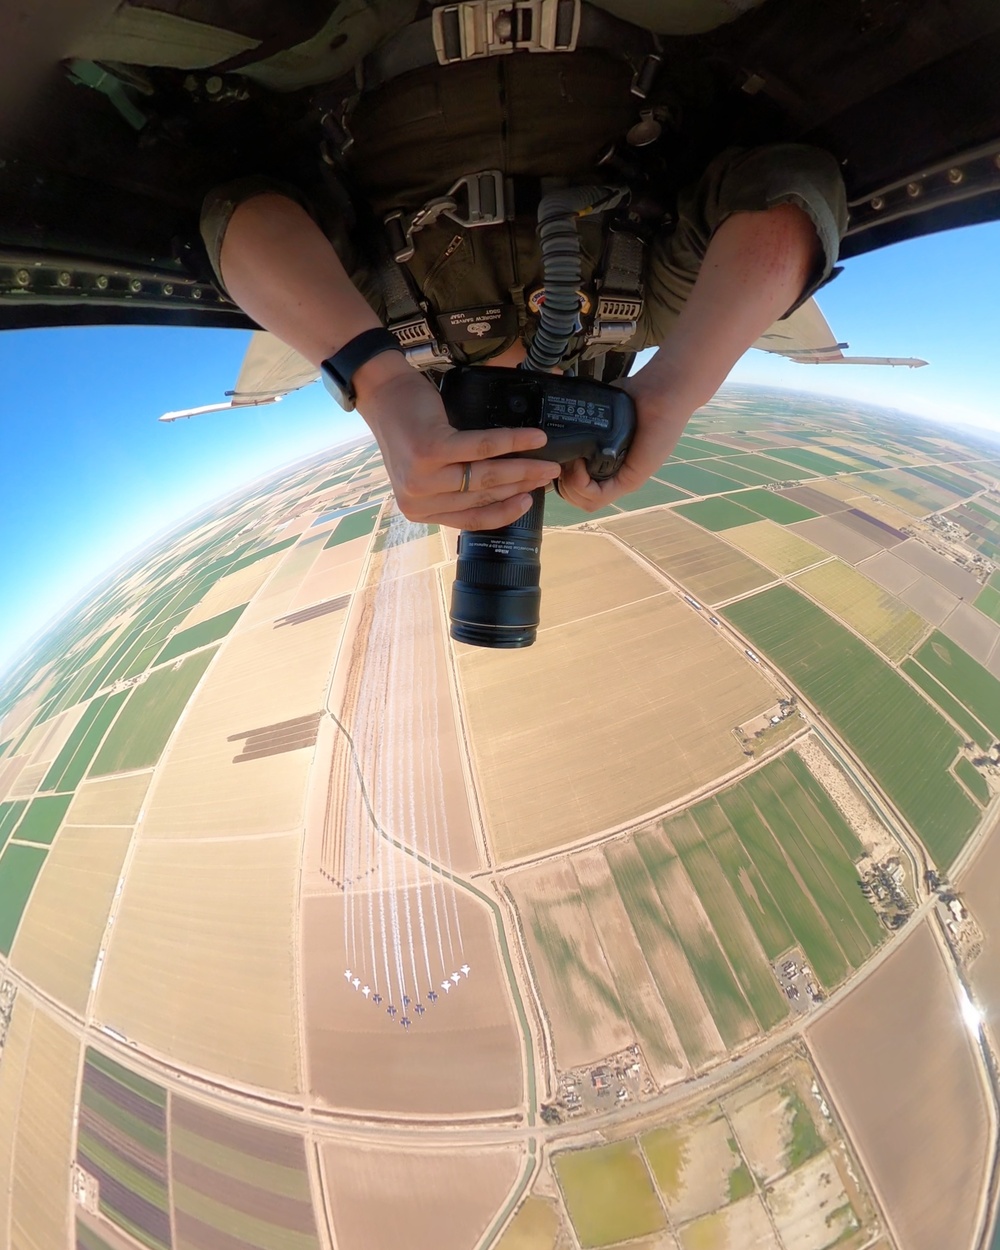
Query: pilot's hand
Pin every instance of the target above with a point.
(439, 474)
(659, 424)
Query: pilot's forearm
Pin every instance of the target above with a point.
(281, 269)
(756, 267)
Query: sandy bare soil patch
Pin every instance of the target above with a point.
(867, 526)
(940, 568)
(810, 1206)
(980, 884)
(583, 574)
(706, 1160)
(275, 598)
(262, 678)
(889, 572)
(763, 1126)
(462, 1056)
(200, 966)
(828, 533)
(230, 592)
(28, 780)
(45, 741)
(569, 965)
(10, 770)
(560, 757)
(116, 801)
(900, 1032)
(423, 1199)
(12, 1068)
(710, 568)
(930, 599)
(825, 502)
(57, 943)
(884, 512)
(742, 1226)
(850, 802)
(973, 632)
(329, 581)
(654, 1029)
(40, 1207)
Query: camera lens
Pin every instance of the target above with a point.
(495, 600)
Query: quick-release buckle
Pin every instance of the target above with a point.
(472, 200)
(615, 321)
(420, 345)
(480, 28)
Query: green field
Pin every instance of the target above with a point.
(904, 743)
(770, 470)
(559, 512)
(968, 681)
(738, 472)
(773, 506)
(149, 716)
(86, 1239)
(821, 466)
(647, 496)
(253, 557)
(608, 1193)
(689, 447)
(974, 780)
(355, 525)
(948, 704)
(696, 480)
(988, 602)
(201, 635)
(10, 814)
(19, 867)
(66, 775)
(717, 514)
(43, 818)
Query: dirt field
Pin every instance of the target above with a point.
(570, 967)
(702, 1160)
(825, 502)
(654, 1029)
(979, 885)
(202, 953)
(463, 1056)
(40, 1201)
(28, 781)
(421, 1199)
(262, 678)
(276, 597)
(973, 631)
(534, 1227)
(45, 741)
(583, 574)
(773, 546)
(335, 572)
(889, 572)
(852, 806)
(930, 600)
(940, 568)
(811, 1207)
(10, 771)
(742, 1226)
(876, 615)
(763, 1126)
(559, 756)
(116, 801)
(704, 564)
(12, 1074)
(828, 533)
(57, 943)
(897, 1033)
(230, 592)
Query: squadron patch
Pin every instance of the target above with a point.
(537, 298)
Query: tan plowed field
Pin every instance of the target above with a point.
(576, 985)
(260, 678)
(276, 597)
(774, 547)
(117, 801)
(583, 574)
(420, 1199)
(903, 1072)
(45, 741)
(742, 1226)
(203, 952)
(57, 944)
(335, 572)
(230, 592)
(461, 1057)
(40, 1201)
(603, 720)
(12, 1073)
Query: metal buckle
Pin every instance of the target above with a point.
(484, 193)
(480, 28)
(420, 345)
(615, 321)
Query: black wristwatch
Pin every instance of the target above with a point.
(338, 372)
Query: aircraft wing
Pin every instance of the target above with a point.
(269, 371)
(806, 338)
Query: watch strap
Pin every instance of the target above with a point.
(338, 370)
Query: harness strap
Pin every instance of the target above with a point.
(406, 319)
(620, 300)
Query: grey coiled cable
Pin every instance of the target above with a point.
(561, 269)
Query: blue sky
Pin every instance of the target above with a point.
(87, 473)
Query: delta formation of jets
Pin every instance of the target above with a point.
(418, 1008)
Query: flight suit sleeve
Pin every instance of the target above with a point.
(741, 180)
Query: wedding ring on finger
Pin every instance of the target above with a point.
(466, 478)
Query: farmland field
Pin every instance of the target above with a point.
(875, 614)
(696, 480)
(608, 1194)
(647, 496)
(968, 681)
(777, 548)
(200, 635)
(774, 506)
(948, 704)
(704, 564)
(988, 602)
(974, 780)
(867, 709)
(19, 868)
(535, 1227)
(717, 514)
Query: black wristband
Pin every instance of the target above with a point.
(339, 370)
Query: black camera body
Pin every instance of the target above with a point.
(496, 598)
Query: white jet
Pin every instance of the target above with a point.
(356, 982)
(455, 977)
(446, 986)
(465, 969)
(347, 975)
(367, 990)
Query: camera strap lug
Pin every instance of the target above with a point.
(481, 28)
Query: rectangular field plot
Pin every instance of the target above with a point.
(232, 591)
(649, 495)
(973, 780)
(839, 540)
(74, 759)
(775, 507)
(677, 697)
(940, 568)
(818, 465)
(875, 614)
(149, 716)
(717, 514)
(777, 548)
(869, 705)
(43, 818)
(968, 681)
(19, 869)
(695, 480)
(200, 635)
(122, 1143)
(769, 470)
(704, 564)
(988, 602)
(235, 1179)
(948, 704)
(973, 632)
(117, 801)
(608, 1193)
(61, 933)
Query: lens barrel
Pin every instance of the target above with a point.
(495, 601)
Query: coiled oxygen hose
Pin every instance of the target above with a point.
(561, 268)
